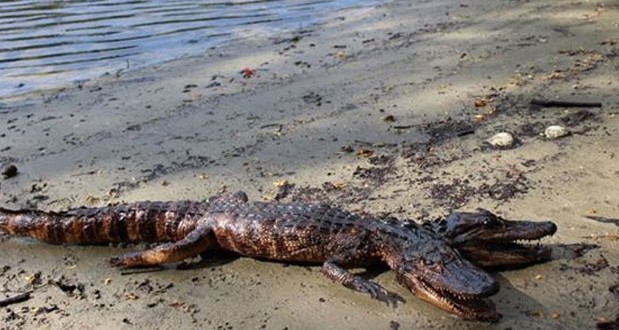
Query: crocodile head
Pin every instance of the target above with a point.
(440, 276)
(490, 241)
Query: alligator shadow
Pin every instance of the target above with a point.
(571, 251)
(220, 257)
(514, 304)
(614, 221)
(559, 252)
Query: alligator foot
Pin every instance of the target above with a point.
(357, 283)
(193, 244)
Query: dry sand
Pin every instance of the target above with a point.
(367, 111)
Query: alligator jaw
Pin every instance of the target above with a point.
(508, 246)
(491, 241)
(505, 255)
(469, 307)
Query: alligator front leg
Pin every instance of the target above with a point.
(355, 282)
(196, 242)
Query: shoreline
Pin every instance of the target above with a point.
(366, 110)
(21, 80)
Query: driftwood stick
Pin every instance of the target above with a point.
(465, 132)
(567, 104)
(15, 299)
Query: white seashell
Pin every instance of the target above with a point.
(502, 139)
(555, 132)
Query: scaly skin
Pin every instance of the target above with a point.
(490, 241)
(422, 257)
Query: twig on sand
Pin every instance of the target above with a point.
(465, 132)
(15, 299)
(567, 104)
(402, 126)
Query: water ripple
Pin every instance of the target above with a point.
(46, 43)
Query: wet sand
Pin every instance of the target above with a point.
(383, 110)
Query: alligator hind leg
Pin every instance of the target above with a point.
(355, 282)
(196, 242)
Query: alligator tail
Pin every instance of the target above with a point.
(132, 222)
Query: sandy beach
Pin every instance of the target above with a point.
(384, 110)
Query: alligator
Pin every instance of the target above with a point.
(492, 242)
(431, 260)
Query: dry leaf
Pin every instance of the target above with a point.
(132, 296)
(280, 183)
(365, 152)
(92, 200)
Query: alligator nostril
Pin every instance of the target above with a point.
(492, 288)
(552, 228)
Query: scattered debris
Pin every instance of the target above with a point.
(577, 117)
(389, 118)
(312, 98)
(403, 126)
(565, 104)
(347, 148)
(10, 171)
(283, 189)
(480, 102)
(247, 72)
(443, 130)
(608, 325)
(15, 299)
(555, 132)
(577, 250)
(501, 140)
(614, 289)
(364, 153)
(590, 268)
(72, 288)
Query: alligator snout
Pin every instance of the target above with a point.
(490, 288)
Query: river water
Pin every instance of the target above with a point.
(48, 44)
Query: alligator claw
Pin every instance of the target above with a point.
(373, 289)
(116, 261)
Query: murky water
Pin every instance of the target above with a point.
(45, 44)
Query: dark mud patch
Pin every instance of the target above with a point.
(450, 128)
(365, 180)
(330, 192)
(374, 174)
(577, 117)
(589, 268)
(426, 156)
(608, 325)
(70, 287)
(459, 191)
(430, 153)
(614, 290)
(577, 250)
(190, 162)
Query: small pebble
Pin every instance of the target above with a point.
(10, 171)
(555, 132)
(501, 140)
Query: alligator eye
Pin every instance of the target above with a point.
(488, 222)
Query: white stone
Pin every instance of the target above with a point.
(502, 139)
(555, 132)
